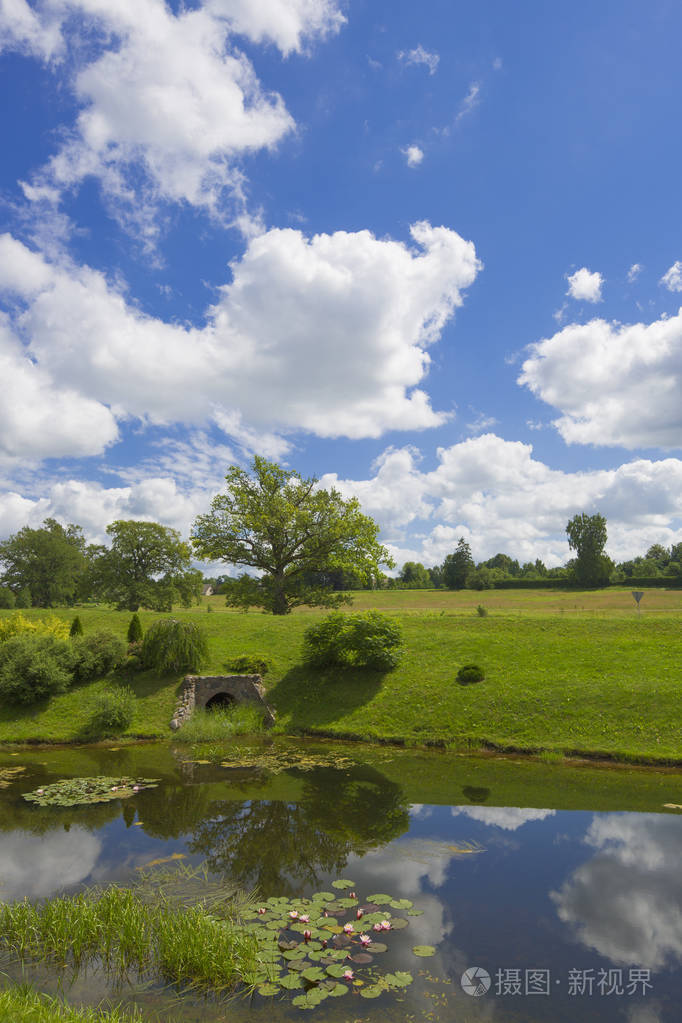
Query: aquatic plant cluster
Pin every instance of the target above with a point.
(79, 791)
(191, 932)
(319, 953)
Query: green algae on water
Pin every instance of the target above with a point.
(77, 791)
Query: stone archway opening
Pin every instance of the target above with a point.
(221, 701)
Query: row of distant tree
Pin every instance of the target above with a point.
(148, 565)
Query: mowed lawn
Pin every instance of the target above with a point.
(566, 672)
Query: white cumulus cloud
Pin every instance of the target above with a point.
(613, 383)
(327, 334)
(413, 155)
(585, 286)
(672, 278)
(419, 55)
(168, 104)
(634, 272)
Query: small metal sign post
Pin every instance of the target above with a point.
(638, 594)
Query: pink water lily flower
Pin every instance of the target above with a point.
(352, 895)
(262, 910)
(307, 935)
(348, 975)
(348, 928)
(377, 927)
(365, 939)
(293, 914)
(39, 792)
(359, 915)
(114, 788)
(385, 925)
(304, 918)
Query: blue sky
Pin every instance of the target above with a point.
(428, 253)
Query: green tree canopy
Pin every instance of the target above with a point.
(413, 574)
(458, 565)
(280, 524)
(587, 536)
(49, 562)
(147, 565)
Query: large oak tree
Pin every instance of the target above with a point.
(287, 529)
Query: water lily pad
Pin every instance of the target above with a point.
(377, 947)
(362, 958)
(288, 946)
(424, 950)
(373, 991)
(347, 903)
(380, 900)
(294, 954)
(291, 981)
(79, 791)
(401, 904)
(298, 965)
(313, 974)
(267, 990)
(336, 970)
(415, 912)
(337, 990)
(343, 884)
(398, 979)
(324, 897)
(397, 923)
(311, 998)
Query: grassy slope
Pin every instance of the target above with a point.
(564, 671)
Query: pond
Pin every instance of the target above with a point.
(549, 892)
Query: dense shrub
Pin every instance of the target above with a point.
(470, 673)
(135, 629)
(34, 666)
(481, 611)
(17, 624)
(23, 598)
(7, 598)
(173, 646)
(76, 627)
(97, 654)
(114, 712)
(250, 664)
(364, 639)
(133, 659)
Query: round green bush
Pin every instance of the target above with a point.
(76, 627)
(34, 666)
(363, 639)
(250, 664)
(7, 598)
(97, 654)
(135, 629)
(173, 646)
(470, 673)
(114, 712)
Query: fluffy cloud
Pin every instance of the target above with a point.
(168, 105)
(634, 272)
(39, 419)
(420, 56)
(487, 489)
(287, 23)
(326, 334)
(500, 498)
(625, 901)
(672, 278)
(470, 101)
(509, 818)
(613, 383)
(585, 286)
(413, 155)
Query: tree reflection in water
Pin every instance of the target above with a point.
(278, 847)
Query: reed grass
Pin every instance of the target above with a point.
(19, 1003)
(119, 929)
(221, 723)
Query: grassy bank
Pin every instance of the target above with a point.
(565, 672)
(20, 1004)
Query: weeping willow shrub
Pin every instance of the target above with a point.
(170, 646)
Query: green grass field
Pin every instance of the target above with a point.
(569, 672)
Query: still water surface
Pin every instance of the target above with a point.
(562, 883)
